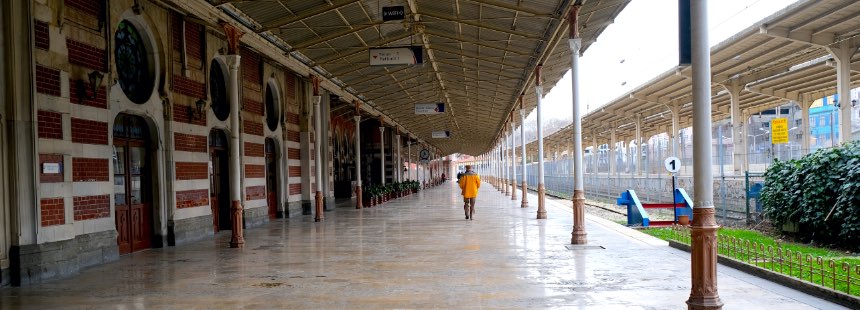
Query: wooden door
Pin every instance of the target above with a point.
(219, 181)
(271, 179)
(132, 185)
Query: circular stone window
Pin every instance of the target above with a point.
(134, 67)
(271, 108)
(218, 90)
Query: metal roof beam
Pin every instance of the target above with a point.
(332, 36)
(804, 36)
(310, 13)
(360, 49)
(479, 25)
(473, 41)
(511, 7)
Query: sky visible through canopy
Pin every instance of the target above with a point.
(642, 43)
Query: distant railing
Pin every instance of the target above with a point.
(831, 273)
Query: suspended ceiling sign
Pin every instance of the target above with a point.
(389, 56)
(393, 13)
(429, 108)
(441, 134)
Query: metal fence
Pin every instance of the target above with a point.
(836, 274)
(735, 196)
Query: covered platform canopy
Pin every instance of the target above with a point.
(479, 56)
(785, 57)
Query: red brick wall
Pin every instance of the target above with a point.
(255, 192)
(90, 132)
(180, 114)
(86, 55)
(52, 211)
(90, 7)
(294, 153)
(193, 40)
(89, 169)
(253, 128)
(189, 87)
(295, 171)
(253, 149)
(293, 136)
(255, 171)
(47, 81)
(252, 106)
(250, 64)
(192, 171)
(42, 38)
(295, 189)
(53, 177)
(190, 143)
(91, 207)
(292, 118)
(192, 198)
(291, 92)
(50, 125)
(101, 95)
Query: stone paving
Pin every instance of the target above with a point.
(416, 252)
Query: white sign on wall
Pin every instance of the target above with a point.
(50, 168)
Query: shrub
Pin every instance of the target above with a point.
(820, 192)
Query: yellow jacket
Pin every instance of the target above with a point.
(469, 183)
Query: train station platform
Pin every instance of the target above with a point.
(413, 252)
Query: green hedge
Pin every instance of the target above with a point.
(805, 191)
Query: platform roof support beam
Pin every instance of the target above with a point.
(739, 158)
(676, 124)
(525, 202)
(513, 163)
(805, 104)
(703, 293)
(637, 156)
(318, 161)
(233, 60)
(578, 235)
(612, 145)
(842, 53)
(357, 155)
(541, 212)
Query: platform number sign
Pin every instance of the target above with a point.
(673, 164)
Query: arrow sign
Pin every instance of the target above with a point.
(429, 108)
(441, 134)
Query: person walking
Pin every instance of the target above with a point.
(469, 184)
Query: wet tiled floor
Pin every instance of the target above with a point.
(413, 252)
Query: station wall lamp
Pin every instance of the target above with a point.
(95, 79)
(199, 111)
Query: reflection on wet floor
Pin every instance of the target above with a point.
(413, 252)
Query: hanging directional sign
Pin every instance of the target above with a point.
(393, 13)
(441, 134)
(429, 108)
(779, 126)
(386, 56)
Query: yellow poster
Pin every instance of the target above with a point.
(779, 129)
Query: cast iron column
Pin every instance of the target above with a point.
(382, 151)
(525, 189)
(541, 212)
(703, 294)
(318, 161)
(232, 59)
(358, 193)
(513, 160)
(578, 236)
